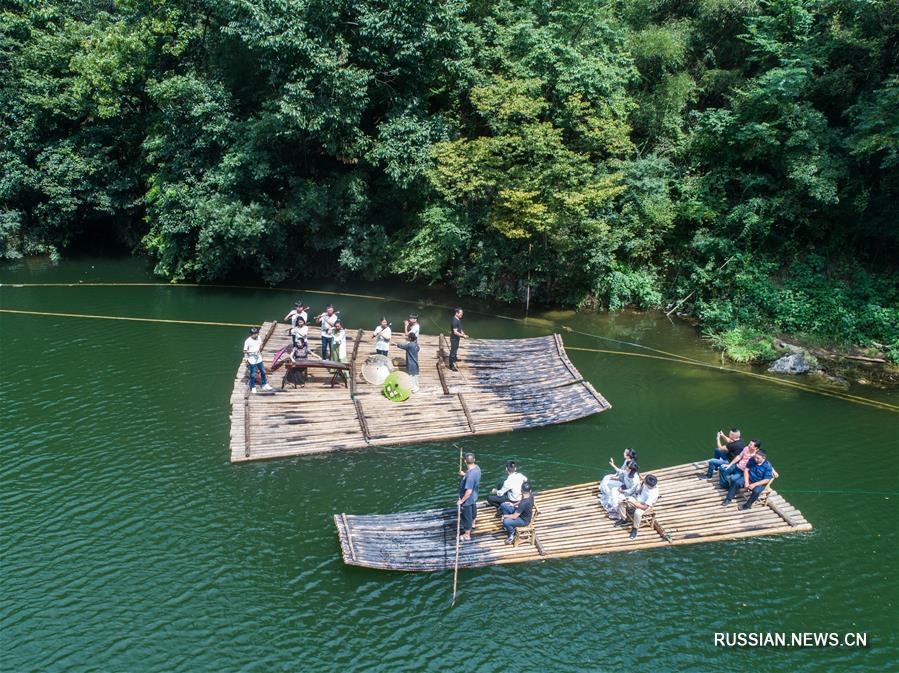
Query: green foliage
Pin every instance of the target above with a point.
(743, 344)
(608, 155)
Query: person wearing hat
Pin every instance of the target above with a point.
(639, 499)
(468, 496)
(252, 351)
(411, 326)
(515, 516)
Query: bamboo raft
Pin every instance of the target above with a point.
(571, 522)
(501, 385)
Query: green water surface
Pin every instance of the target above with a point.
(129, 543)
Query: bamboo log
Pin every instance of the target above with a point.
(349, 536)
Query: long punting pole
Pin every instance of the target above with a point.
(458, 533)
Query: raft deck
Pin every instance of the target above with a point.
(501, 385)
(571, 523)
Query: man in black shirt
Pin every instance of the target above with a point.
(514, 517)
(729, 447)
(455, 335)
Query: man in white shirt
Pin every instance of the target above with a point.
(252, 351)
(639, 499)
(411, 326)
(327, 321)
(510, 490)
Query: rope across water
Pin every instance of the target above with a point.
(660, 354)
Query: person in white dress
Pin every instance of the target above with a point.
(339, 350)
(613, 487)
(382, 335)
(411, 326)
(299, 331)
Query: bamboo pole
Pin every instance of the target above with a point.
(458, 540)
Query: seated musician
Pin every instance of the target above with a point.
(757, 473)
(510, 489)
(639, 499)
(297, 375)
(515, 516)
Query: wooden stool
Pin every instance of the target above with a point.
(763, 496)
(526, 533)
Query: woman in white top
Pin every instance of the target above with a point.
(338, 352)
(613, 487)
(299, 331)
(382, 336)
(411, 326)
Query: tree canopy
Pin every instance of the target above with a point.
(744, 153)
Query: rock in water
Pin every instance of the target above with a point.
(794, 363)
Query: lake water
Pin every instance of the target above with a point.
(129, 543)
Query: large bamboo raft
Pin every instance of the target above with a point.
(571, 523)
(501, 385)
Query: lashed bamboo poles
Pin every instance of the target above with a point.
(508, 385)
(571, 524)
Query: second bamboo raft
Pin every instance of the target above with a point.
(570, 523)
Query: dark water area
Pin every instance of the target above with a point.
(130, 543)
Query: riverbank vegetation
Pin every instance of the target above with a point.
(740, 157)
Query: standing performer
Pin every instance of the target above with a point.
(382, 334)
(338, 352)
(299, 330)
(298, 311)
(411, 326)
(455, 336)
(252, 348)
(412, 348)
(468, 495)
(327, 321)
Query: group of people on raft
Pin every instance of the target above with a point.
(334, 344)
(513, 498)
(740, 466)
(625, 495)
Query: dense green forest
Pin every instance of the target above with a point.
(741, 154)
